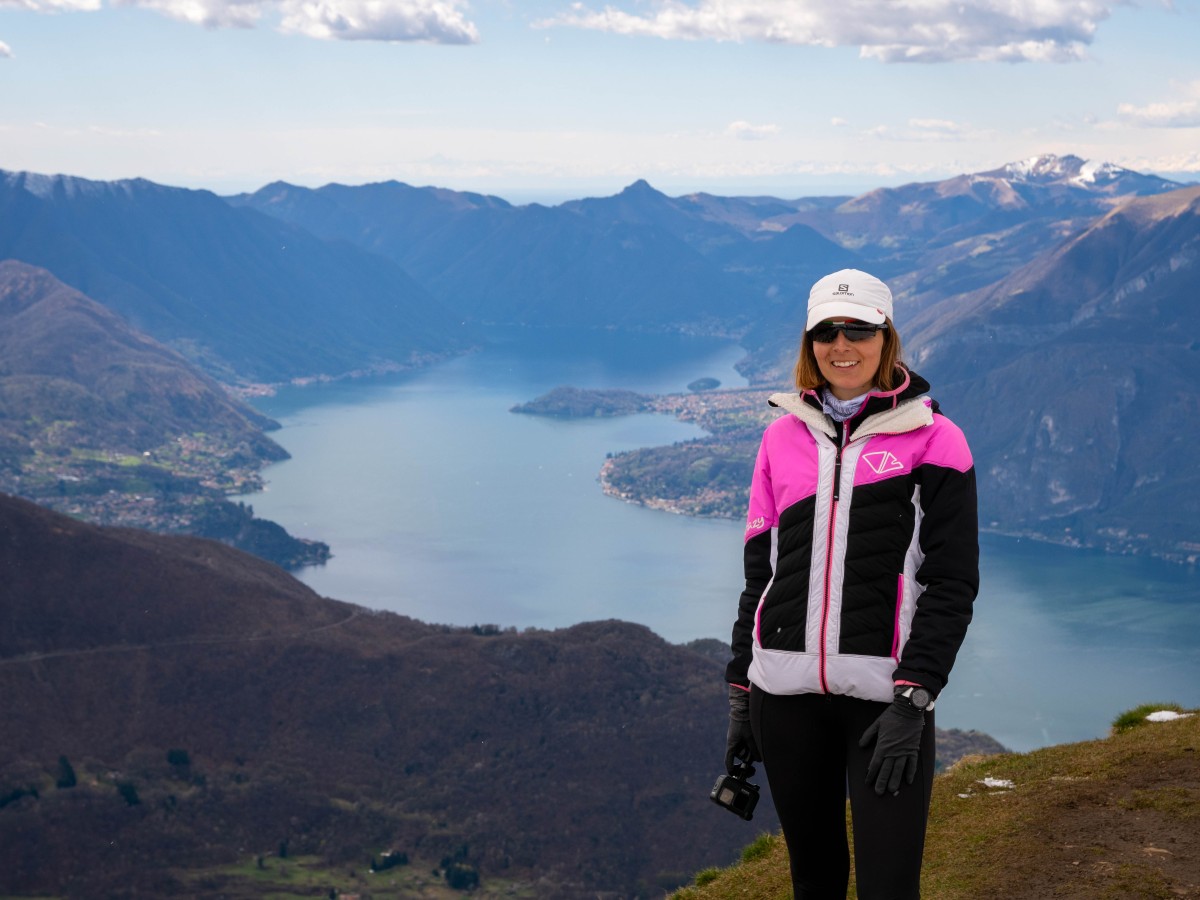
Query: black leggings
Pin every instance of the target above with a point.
(809, 744)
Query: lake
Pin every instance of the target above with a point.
(441, 504)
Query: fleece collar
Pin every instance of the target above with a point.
(897, 411)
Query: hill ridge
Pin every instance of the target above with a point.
(336, 730)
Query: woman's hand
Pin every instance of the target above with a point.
(739, 742)
(897, 736)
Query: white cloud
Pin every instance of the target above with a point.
(924, 130)
(744, 131)
(936, 126)
(429, 21)
(380, 20)
(1187, 163)
(1182, 113)
(51, 6)
(5, 51)
(839, 122)
(209, 13)
(887, 30)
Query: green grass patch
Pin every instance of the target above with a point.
(759, 848)
(1137, 716)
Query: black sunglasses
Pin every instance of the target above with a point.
(827, 332)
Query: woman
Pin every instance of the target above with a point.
(862, 564)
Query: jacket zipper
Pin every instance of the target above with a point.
(896, 619)
(837, 490)
(833, 504)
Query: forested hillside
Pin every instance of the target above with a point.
(204, 711)
(101, 421)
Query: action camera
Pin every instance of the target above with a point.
(735, 793)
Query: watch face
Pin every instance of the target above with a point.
(920, 698)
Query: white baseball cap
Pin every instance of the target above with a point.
(849, 293)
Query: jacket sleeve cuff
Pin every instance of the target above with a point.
(918, 679)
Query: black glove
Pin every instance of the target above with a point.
(897, 735)
(739, 743)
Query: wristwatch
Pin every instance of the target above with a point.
(917, 697)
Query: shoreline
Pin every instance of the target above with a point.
(247, 390)
(709, 416)
(676, 508)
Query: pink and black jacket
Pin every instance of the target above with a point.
(862, 549)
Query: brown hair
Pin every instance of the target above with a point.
(807, 375)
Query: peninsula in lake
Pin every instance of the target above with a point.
(572, 403)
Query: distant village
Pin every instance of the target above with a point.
(178, 488)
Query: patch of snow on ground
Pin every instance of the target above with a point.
(1166, 715)
(997, 783)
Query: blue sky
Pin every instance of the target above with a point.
(549, 100)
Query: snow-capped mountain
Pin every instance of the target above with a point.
(1085, 174)
(1025, 204)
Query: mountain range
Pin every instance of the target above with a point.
(242, 295)
(721, 265)
(528, 265)
(1075, 378)
(293, 283)
(935, 240)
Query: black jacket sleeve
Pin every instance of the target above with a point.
(949, 539)
(758, 575)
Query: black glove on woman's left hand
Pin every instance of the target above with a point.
(897, 735)
(739, 742)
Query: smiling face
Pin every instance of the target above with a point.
(850, 367)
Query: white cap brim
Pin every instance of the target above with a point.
(840, 308)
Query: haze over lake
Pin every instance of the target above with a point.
(440, 504)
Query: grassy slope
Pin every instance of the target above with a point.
(1112, 818)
